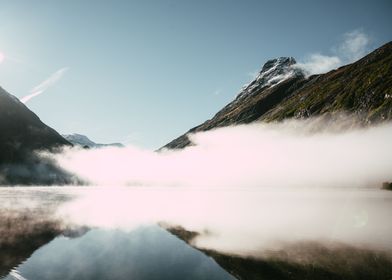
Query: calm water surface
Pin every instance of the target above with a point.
(145, 253)
(36, 245)
(114, 233)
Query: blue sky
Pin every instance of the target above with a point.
(144, 72)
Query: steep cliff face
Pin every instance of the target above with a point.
(21, 134)
(21, 131)
(282, 91)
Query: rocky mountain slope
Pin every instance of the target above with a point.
(281, 90)
(21, 131)
(84, 141)
(21, 134)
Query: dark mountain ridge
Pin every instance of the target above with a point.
(22, 131)
(22, 134)
(281, 90)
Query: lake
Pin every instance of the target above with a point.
(194, 233)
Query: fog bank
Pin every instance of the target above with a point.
(248, 188)
(311, 153)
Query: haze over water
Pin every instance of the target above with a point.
(297, 192)
(249, 222)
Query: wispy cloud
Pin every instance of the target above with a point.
(42, 87)
(354, 45)
(217, 91)
(317, 63)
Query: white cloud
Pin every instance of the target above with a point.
(318, 63)
(42, 87)
(355, 45)
(217, 92)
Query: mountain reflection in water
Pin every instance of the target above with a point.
(144, 253)
(177, 233)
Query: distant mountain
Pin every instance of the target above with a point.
(84, 141)
(21, 131)
(281, 91)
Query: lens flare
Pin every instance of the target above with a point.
(2, 57)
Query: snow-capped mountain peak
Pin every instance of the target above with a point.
(84, 141)
(273, 72)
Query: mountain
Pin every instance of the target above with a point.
(21, 131)
(84, 141)
(281, 90)
(21, 134)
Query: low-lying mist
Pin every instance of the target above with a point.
(307, 153)
(247, 221)
(247, 188)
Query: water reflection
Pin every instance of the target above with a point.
(35, 243)
(139, 233)
(144, 253)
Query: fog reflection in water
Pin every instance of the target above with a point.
(114, 233)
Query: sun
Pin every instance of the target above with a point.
(2, 57)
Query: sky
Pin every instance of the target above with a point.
(144, 72)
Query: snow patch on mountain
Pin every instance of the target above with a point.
(273, 72)
(84, 141)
